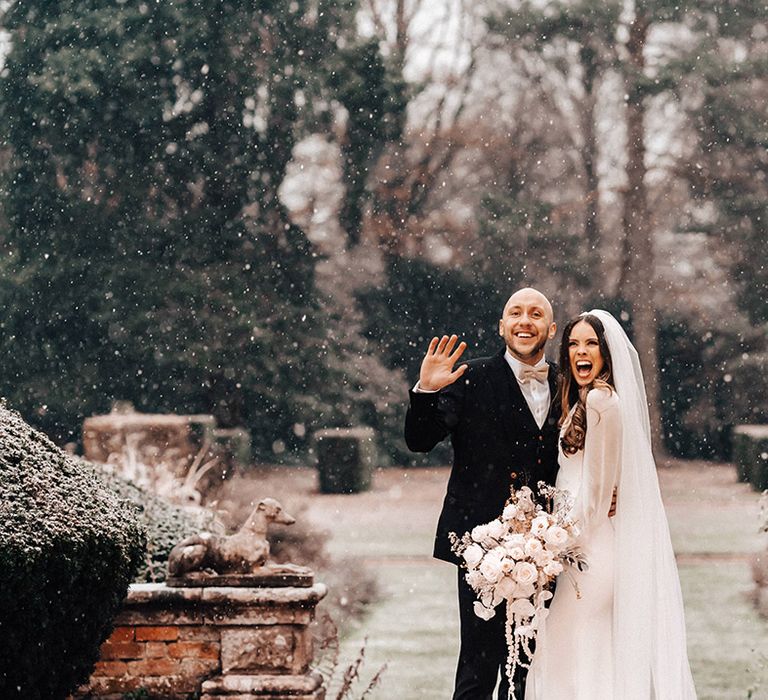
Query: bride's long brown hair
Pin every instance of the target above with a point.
(571, 393)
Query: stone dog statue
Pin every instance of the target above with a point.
(245, 552)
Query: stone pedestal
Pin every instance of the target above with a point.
(211, 642)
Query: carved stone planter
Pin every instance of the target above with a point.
(154, 437)
(218, 642)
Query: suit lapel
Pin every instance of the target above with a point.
(510, 402)
(554, 385)
(500, 386)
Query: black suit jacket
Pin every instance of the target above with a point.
(496, 443)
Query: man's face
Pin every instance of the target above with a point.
(526, 325)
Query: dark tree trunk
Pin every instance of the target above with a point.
(592, 182)
(637, 282)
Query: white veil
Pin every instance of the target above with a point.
(650, 656)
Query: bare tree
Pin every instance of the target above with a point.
(404, 167)
(576, 40)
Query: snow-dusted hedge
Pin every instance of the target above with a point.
(166, 525)
(69, 546)
(750, 453)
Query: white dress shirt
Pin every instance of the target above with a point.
(536, 393)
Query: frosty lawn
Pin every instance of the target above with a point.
(414, 626)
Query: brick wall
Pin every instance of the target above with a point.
(216, 642)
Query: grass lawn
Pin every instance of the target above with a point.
(727, 641)
(414, 630)
(414, 627)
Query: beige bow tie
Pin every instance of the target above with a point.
(538, 374)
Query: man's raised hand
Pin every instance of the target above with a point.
(437, 367)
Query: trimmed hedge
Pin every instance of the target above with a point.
(750, 454)
(69, 547)
(165, 523)
(345, 459)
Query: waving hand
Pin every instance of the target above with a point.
(437, 367)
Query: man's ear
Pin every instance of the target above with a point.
(552, 330)
(501, 327)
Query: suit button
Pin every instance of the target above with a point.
(538, 461)
(541, 437)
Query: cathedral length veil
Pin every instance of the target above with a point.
(650, 656)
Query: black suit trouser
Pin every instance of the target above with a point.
(483, 652)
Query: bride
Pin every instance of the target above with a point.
(616, 630)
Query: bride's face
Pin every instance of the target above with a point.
(584, 353)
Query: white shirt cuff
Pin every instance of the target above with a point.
(418, 390)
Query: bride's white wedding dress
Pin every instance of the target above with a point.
(573, 659)
(624, 637)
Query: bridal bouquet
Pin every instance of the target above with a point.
(514, 558)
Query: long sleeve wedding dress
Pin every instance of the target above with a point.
(573, 659)
(622, 635)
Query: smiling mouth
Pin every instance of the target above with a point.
(524, 335)
(583, 369)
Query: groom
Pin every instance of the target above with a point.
(502, 417)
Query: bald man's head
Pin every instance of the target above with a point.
(526, 324)
(529, 295)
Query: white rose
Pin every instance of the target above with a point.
(533, 546)
(472, 555)
(525, 573)
(509, 512)
(543, 558)
(553, 568)
(556, 537)
(490, 567)
(499, 551)
(503, 590)
(539, 525)
(479, 533)
(507, 564)
(495, 529)
(515, 552)
(482, 612)
(514, 540)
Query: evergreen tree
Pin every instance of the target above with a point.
(148, 256)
